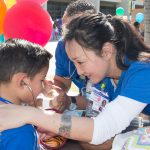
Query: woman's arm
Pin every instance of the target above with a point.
(116, 117)
(77, 128)
(71, 127)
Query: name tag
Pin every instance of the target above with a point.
(97, 100)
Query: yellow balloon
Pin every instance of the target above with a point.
(3, 10)
(10, 3)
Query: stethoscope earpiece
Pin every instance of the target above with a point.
(30, 89)
(23, 83)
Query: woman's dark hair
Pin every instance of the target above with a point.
(92, 31)
(18, 55)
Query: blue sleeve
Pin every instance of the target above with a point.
(136, 84)
(61, 59)
(23, 138)
(25, 141)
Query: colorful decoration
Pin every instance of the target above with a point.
(36, 1)
(138, 140)
(119, 11)
(3, 10)
(28, 20)
(2, 39)
(139, 17)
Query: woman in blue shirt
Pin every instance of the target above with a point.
(99, 46)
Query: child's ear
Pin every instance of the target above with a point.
(107, 50)
(18, 79)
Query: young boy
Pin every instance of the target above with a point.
(23, 67)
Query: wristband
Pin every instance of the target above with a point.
(73, 104)
(73, 100)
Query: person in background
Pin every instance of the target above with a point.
(23, 67)
(66, 72)
(99, 47)
(137, 26)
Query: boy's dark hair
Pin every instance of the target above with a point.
(78, 6)
(18, 55)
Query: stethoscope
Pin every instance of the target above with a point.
(70, 74)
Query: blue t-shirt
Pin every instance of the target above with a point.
(66, 68)
(21, 138)
(134, 83)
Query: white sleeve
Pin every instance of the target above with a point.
(114, 118)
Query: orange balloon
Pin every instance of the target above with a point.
(3, 10)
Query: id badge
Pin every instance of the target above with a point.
(99, 99)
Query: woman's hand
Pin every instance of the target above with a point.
(12, 116)
(59, 99)
(62, 101)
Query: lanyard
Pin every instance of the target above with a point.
(5, 101)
